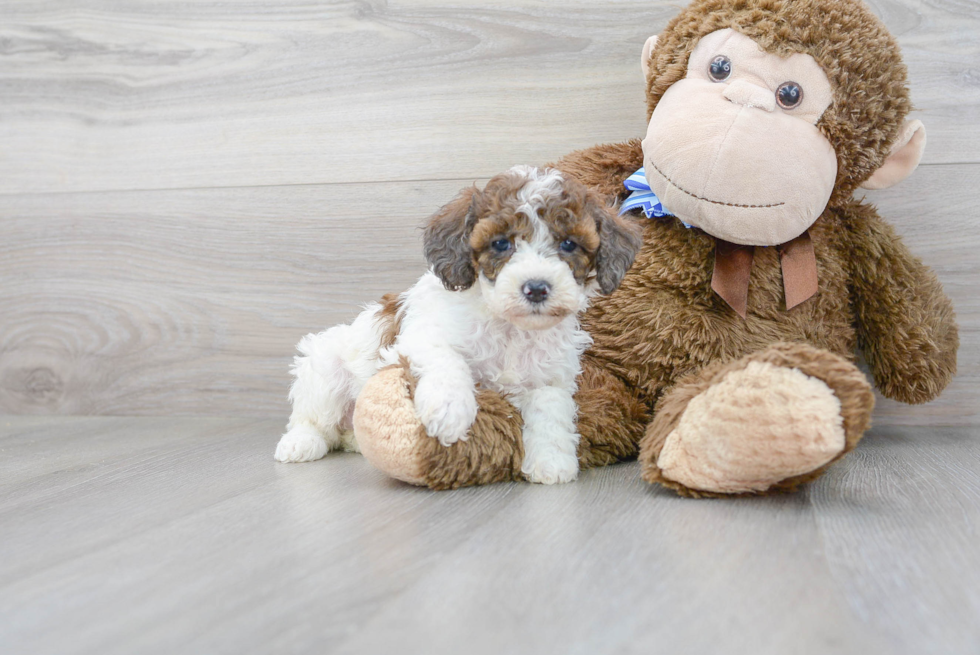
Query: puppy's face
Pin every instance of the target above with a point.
(539, 244)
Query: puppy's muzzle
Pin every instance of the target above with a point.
(536, 291)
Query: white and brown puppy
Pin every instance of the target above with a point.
(512, 266)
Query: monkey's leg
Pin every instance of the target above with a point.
(611, 417)
(764, 423)
(393, 439)
(611, 422)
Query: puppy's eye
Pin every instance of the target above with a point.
(568, 245)
(501, 245)
(720, 68)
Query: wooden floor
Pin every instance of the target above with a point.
(188, 188)
(141, 535)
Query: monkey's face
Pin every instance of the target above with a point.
(733, 148)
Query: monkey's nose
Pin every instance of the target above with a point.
(750, 95)
(536, 291)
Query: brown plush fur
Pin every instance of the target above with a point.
(906, 326)
(665, 321)
(478, 461)
(664, 335)
(606, 406)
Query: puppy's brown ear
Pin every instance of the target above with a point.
(447, 241)
(619, 241)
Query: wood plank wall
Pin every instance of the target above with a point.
(188, 188)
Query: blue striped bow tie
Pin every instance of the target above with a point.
(642, 197)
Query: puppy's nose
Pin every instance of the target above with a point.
(536, 290)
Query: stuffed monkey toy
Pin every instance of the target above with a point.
(725, 360)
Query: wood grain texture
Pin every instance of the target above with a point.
(190, 302)
(156, 300)
(163, 535)
(151, 94)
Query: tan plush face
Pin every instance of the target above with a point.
(733, 148)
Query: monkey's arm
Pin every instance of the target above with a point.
(906, 326)
(604, 167)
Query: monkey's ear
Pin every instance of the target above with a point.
(447, 241)
(902, 160)
(645, 57)
(619, 241)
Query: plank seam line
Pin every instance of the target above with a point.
(467, 179)
(15, 194)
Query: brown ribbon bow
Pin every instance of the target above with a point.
(733, 266)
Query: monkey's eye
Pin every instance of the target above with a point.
(568, 245)
(501, 245)
(789, 95)
(720, 68)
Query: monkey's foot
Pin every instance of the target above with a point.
(393, 439)
(767, 422)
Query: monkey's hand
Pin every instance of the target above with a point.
(906, 325)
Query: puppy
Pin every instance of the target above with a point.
(512, 267)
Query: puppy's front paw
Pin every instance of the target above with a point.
(550, 467)
(446, 412)
(301, 444)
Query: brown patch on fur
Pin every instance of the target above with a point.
(446, 241)
(843, 378)
(580, 260)
(571, 220)
(621, 240)
(388, 319)
(500, 225)
(496, 208)
(603, 169)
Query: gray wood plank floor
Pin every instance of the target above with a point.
(188, 188)
(169, 535)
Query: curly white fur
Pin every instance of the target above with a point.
(488, 335)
